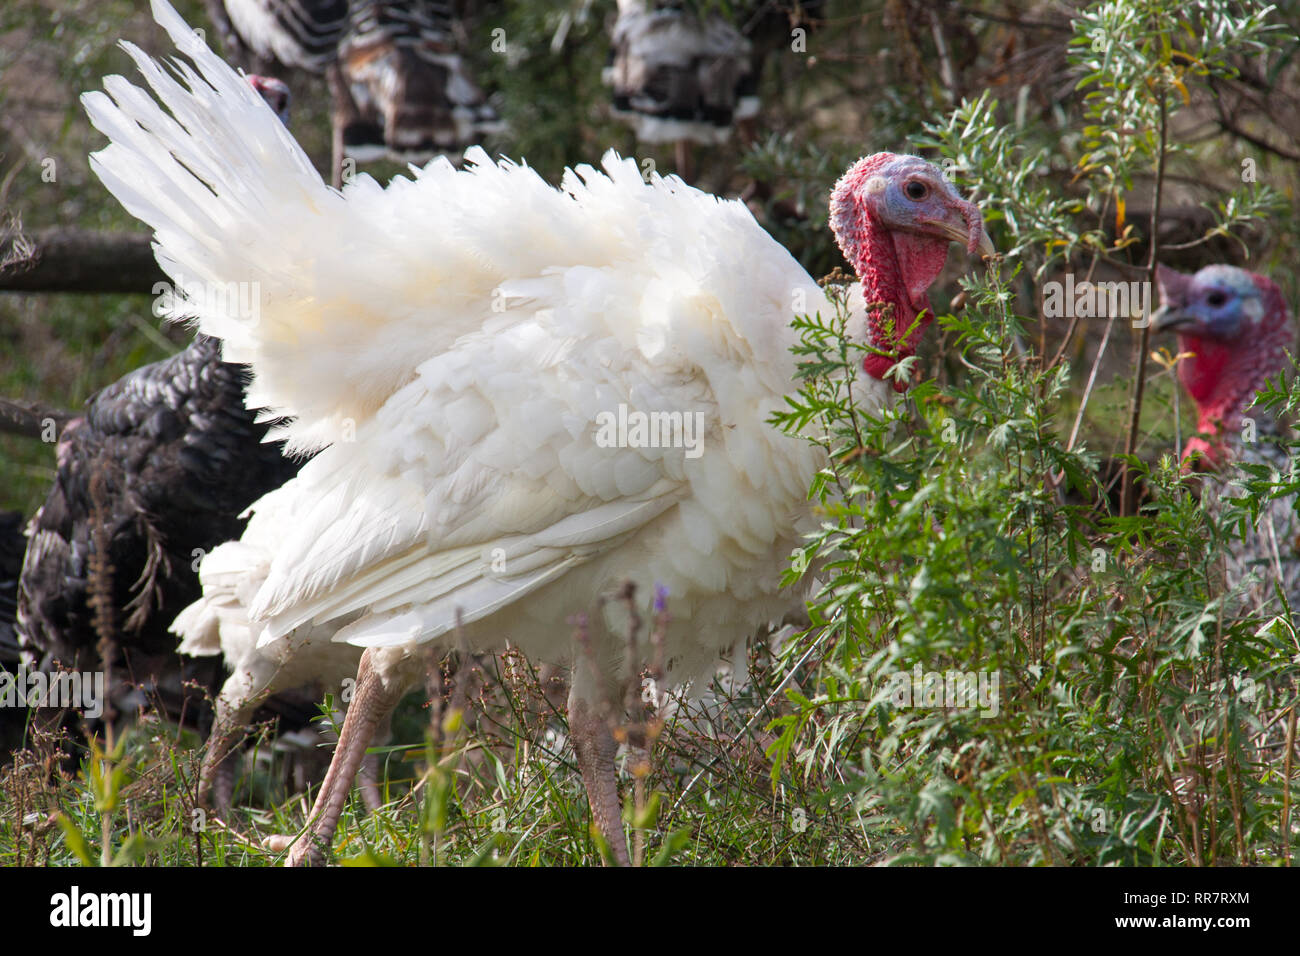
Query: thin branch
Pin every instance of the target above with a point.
(1144, 335)
(32, 419)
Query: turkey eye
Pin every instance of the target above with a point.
(915, 190)
(1216, 299)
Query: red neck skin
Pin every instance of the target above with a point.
(1223, 375)
(881, 259)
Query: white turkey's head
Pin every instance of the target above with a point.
(275, 92)
(894, 217)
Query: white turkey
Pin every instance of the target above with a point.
(461, 363)
(1236, 327)
(399, 86)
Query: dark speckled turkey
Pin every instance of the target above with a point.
(399, 85)
(164, 461)
(12, 546)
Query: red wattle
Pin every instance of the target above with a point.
(1201, 373)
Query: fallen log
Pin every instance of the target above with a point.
(77, 260)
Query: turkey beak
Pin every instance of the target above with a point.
(969, 230)
(977, 237)
(1170, 317)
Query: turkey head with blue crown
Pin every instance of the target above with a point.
(894, 217)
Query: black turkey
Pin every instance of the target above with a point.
(679, 76)
(155, 473)
(1236, 330)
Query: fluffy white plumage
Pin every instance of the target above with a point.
(454, 338)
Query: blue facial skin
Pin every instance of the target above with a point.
(913, 196)
(1219, 302)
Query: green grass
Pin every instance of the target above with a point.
(501, 790)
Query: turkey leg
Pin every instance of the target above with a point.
(595, 747)
(249, 685)
(371, 705)
(369, 777)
